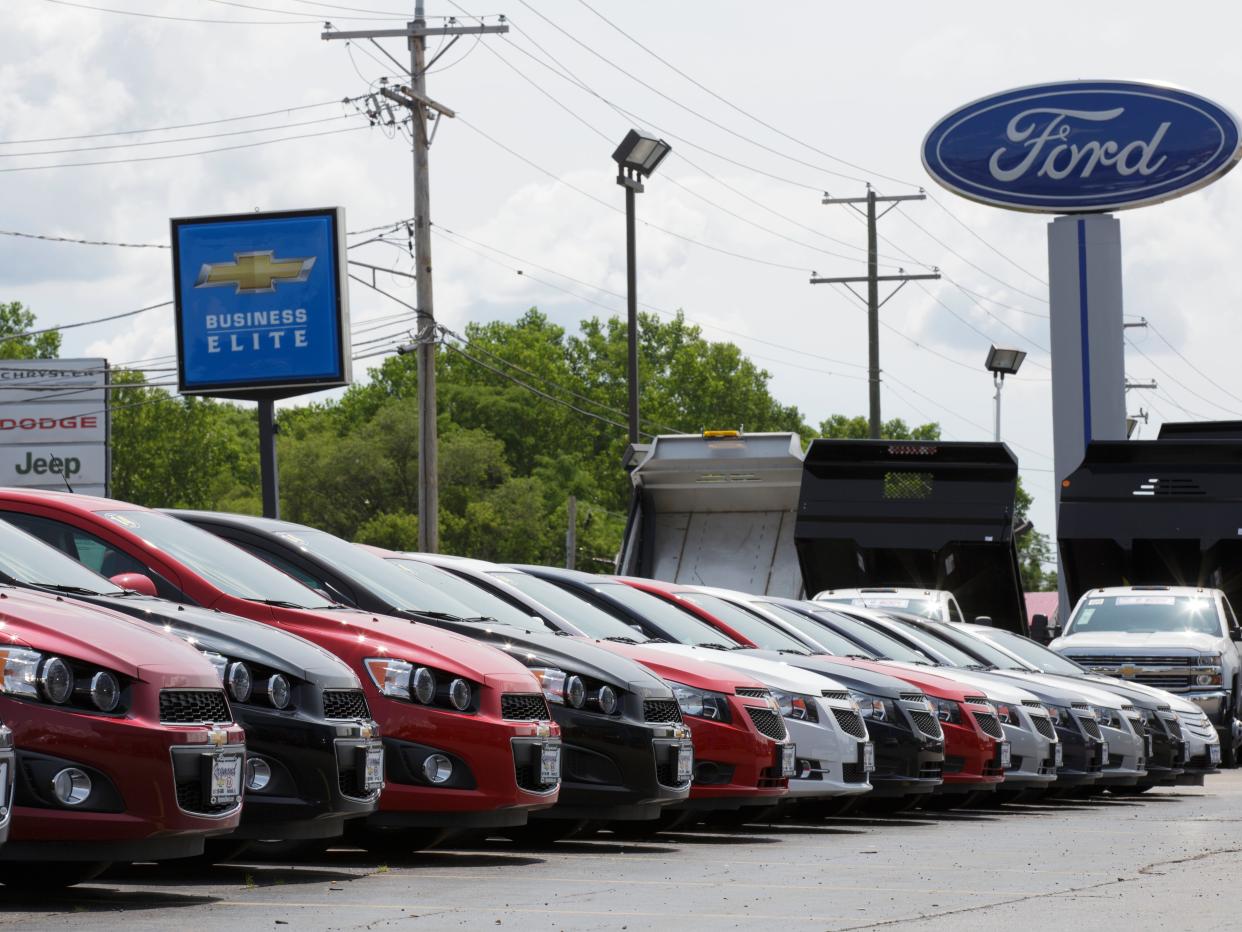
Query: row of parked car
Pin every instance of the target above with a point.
(188, 684)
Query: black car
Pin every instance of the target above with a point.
(627, 753)
(313, 756)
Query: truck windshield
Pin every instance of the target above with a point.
(892, 603)
(745, 623)
(589, 619)
(228, 568)
(477, 599)
(1146, 614)
(1038, 656)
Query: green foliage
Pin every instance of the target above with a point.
(841, 427)
(392, 530)
(1035, 553)
(15, 318)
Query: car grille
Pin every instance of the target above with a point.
(1043, 725)
(912, 697)
(190, 798)
(752, 693)
(193, 707)
(527, 707)
(345, 704)
(976, 700)
(1092, 728)
(1173, 727)
(661, 711)
(931, 771)
(853, 773)
(666, 774)
(347, 780)
(851, 722)
(989, 724)
(927, 723)
(767, 723)
(840, 694)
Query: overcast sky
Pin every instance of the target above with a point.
(848, 89)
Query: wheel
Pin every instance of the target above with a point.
(41, 875)
(540, 832)
(894, 806)
(396, 842)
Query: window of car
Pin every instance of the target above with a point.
(745, 622)
(830, 640)
(583, 613)
(1146, 613)
(481, 602)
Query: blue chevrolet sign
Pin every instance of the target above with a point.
(1082, 146)
(261, 303)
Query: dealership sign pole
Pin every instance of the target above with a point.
(262, 312)
(1082, 149)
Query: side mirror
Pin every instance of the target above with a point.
(1039, 629)
(985, 620)
(136, 582)
(1235, 634)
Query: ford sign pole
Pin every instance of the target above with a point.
(1082, 149)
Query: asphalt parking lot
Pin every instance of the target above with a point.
(1167, 859)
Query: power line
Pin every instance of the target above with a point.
(265, 9)
(967, 323)
(82, 242)
(186, 19)
(1165, 372)
(1152, 327)
(82, 323)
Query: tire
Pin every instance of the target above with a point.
(543, 832)
(38, 876)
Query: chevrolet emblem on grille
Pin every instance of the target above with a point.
(217, 737)
(254, 272)
(1128, 671)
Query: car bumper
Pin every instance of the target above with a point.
(1127, 758)
(617, 769)
(149, 798)
(1032, 760)
(734, 766)
(1082, 759)
(314, 785)
(494, 778)
(971, 760)
(907, 763)
(1214, 703)
(829, 762)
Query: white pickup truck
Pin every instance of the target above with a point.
(1182, 639)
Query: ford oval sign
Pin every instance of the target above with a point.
(1082, 146)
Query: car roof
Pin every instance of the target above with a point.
(909, 592)
(1135, 590)
(73, 500)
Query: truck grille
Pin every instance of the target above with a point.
(526, 707)
(1043, 725)
(345, 704)
(767, 723)
(1092, 728)
(752, 693)
(194, 707)
(661, 711)
(1163, 680)
(927, 723)
(851, 722)
(989, 724)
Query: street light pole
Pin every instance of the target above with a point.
(1002, 362)
(998, 380)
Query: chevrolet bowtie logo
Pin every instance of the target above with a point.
(254, 272)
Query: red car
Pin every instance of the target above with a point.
(468, 739)
(126, 749)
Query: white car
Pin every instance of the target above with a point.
(936, 604)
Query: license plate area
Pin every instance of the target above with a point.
(371, 766)
(1103, 753)
(549, 762)
(867, 753)
(684, 758)
(1214, 754)
(787, 755)
(1006, 755)
(1058, 755)
(224, 781)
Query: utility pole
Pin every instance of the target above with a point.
(571, 534)
(415, 99)
(873, 279)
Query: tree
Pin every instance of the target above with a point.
(1034, 550)
(842, 427)
(16, 320)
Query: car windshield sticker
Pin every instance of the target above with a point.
(1145, 600)
(120, 519)
(1095, 601)
(887, 603)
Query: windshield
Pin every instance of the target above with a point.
(481, 602)
(403, 591)
(26, 559)
(225, 566)
(1146, 614)
(589, 619)
(677, 623)
(1038, 656)
(895, 603)
(951, 654)
(979, 646)
(879, 641)
(831, 641)
(746, 623)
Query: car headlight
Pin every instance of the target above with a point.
(460, 694)
(1006, 713)
(1110, 718)
(607, 700)
(578, 692)
(552, 682)
(875, 708)
(1208, 660)
(279, 691)
(701, 703)
(31, 674)
(239, 681)
(391, 677)
(796, 706)
(947, 710)
(1059, 714)
(423, 686)
(219, 661)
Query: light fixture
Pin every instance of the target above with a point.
(639, 154)
(1004, 362)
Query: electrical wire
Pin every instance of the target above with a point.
(1152, 327)
(185, 19)
(265, 9)
(1043, 349)
(1176, 381)
(47, 237)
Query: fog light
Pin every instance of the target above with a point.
(71, 787)
(258, 773)
(437, 769)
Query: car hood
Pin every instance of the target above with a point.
(60, 625)
(1141, 694)
(1157, 642)
(698, 672)
(877, 684)
(544, 649)
(771, 673)
(237, 638)
(1065, 690)
(991, 685)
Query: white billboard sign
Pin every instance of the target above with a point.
(54, 424)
